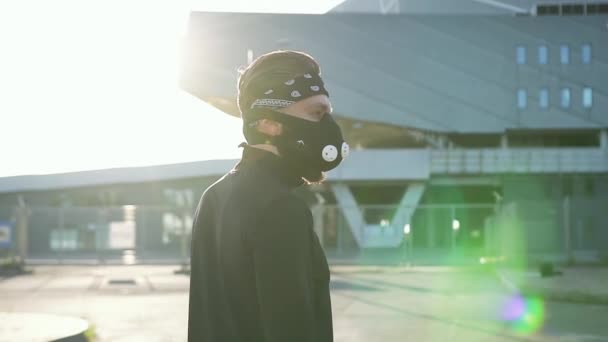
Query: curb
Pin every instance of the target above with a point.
(31, 326)
(575, 297)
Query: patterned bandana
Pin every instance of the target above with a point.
(282, 95)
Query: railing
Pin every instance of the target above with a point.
(429, 226)
(102, 233)
(151, 234)
(519, 160)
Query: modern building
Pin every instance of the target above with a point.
(477, 126)
(475, 7)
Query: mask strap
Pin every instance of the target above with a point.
(253, 115)
(251, 120)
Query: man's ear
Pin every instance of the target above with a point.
(269, 127)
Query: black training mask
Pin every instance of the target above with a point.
(309, 146)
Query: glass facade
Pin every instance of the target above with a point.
(520, 55)
(565, 97)
(586, 54)
(564, 54)
(522, 98)
(543, 98)
(543, 55)
(587, 97)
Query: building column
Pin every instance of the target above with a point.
(604, 139)
(21, 241)
(504, 141)
(350, 210)
(567, 229)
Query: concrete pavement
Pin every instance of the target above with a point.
(150, 303)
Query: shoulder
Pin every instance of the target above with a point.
(218, 187)
(210, 195)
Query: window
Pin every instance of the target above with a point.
(543, 54)
(587, 97)
(592, 9)
(521, 55)
(565, 97)
(543, 98)
(586, 54)
(547, 10)
(597, 8)
(522, 98)
(573, 9)
(564, 54)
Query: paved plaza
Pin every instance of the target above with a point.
(149, 303)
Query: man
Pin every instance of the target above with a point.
(258, 270)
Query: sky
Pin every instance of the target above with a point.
(90, 85)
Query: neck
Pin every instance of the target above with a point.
(270, 148)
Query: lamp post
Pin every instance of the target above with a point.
(406, 230)
(407, 243)
(455, 228)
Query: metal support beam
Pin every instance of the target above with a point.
(350, 210)
(360, 229)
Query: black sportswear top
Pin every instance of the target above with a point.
(258, 272)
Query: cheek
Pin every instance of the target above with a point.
(272, 129)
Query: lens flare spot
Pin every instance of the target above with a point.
(526, 315)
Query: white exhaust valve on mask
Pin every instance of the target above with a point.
(330, 153)
(345, 150)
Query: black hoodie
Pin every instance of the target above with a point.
(258, 270)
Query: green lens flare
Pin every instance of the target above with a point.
(527, 315)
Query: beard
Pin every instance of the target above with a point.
(314, 176)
